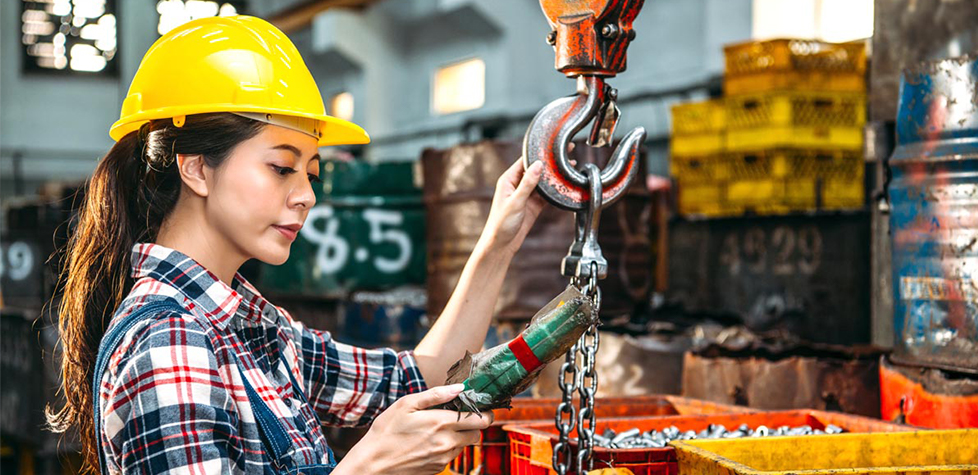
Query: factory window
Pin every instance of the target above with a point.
(174, 13)
(827, 20)
(459, 87)
(341, 106)
(69, 36)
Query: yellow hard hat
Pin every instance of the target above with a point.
(236, 64)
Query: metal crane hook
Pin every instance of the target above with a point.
(554, 126)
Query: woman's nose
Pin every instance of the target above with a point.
(303, 196)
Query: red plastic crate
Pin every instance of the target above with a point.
(531, 444)
(492, 453)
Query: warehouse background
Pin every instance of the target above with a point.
(386, 55)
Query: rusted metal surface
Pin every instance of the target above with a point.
(637, 365)
(927, 397)
(458, 189)
(557, 123)
(910, 31)
(807, 275)
(591, 36)
(590, 39)
(628, 365)
(825, 377)
(934, 198)
(880, 138)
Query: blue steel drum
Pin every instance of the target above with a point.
(934, 215)
(394, 318)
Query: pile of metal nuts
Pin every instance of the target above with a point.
(636, 439)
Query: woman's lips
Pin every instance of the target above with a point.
(289, 233)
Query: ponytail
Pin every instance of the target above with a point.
(133, 189)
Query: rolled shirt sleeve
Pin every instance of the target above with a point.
(349, 386)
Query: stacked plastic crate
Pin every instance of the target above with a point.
(786, 136)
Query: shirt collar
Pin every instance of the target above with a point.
(217, 301)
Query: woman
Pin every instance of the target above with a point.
(214, 164)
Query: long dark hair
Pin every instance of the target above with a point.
(133, 189)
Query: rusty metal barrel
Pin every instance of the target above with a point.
(934, 215)
(458, 189)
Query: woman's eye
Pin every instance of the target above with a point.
(315, 178)
(283, 170)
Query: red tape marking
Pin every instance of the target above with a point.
(524, 354)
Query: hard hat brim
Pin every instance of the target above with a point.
(335, 131)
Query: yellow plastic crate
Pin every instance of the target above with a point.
(772, 181)
(824, 163)
(794, 80)
(755, 193)
(795, 119)
(698, 117)
(849, 138)
(699, 168)
(801, 194)
(795, 162)
(881, 453)
(699, 144)
(786, 64)
(702, 199)
(843, 193)
(757, 165)
(798, 109)
(760, 197)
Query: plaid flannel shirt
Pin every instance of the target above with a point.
(172, 400)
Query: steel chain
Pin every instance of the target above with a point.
(587, 385)
(568, 384)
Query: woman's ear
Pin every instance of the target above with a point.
(192, 173)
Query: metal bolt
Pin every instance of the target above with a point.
(609, 31)
(552, 37)
(628, 434)
(635, 438)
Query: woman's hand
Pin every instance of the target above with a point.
(408, 438)
(514, 208)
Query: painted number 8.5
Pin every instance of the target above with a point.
(334, 251)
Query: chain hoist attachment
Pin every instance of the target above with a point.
(590, 36)
(584, 260)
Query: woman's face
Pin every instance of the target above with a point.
(262, 193)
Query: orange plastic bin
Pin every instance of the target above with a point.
(531, 444)
(492, 453)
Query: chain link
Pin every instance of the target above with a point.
(587, 385)
(565, 418)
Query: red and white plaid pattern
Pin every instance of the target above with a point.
(172, 400)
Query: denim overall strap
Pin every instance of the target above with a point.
(302, 394)
(108, 345)
(275, 438)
